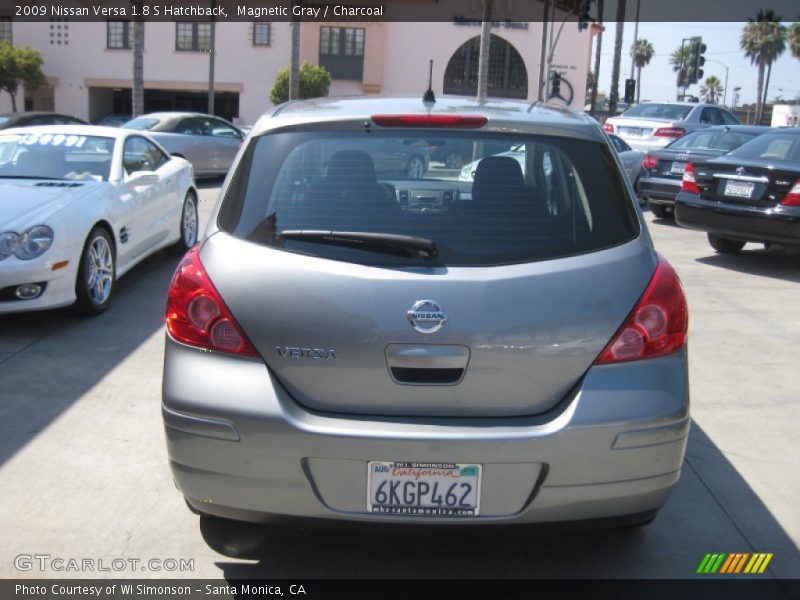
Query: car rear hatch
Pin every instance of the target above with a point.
(741, 182)
(634, 128)
(504, 318)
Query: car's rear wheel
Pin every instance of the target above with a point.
(415, 167)
(97, 273)
(188, 225)
(453, 160)
(660, 211)
(724, 245)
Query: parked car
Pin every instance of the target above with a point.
(398, 158)
(663, 169)
(33, 118)
(631, 160)
(515, 151)
(751, 194)
(81, 205)
(113, 120)
(453, 154)
(652, 125)
(515, 357)
(208, 142)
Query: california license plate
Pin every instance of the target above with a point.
(635, 131)
(678, 168)
(739, 189)
(423, 489)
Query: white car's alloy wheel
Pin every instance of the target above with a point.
(99, 270)
(189, 222)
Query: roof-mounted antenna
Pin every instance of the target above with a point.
(429, 95)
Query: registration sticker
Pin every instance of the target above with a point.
(423, 489)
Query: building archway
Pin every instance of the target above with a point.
(508, 77)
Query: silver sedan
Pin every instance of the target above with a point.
(208, 142)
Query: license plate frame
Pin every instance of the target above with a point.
(423, 503)
(742, 190)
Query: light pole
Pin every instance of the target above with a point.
(736, 96)
(724, 89)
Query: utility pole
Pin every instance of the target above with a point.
(597, 59)
(483, 59)
(211, 53)
(635, 39)
(725, 88)
(543, 56)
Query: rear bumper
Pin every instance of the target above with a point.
(659, 190)
(747, 223)
(239, 447)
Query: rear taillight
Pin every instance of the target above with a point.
(658, 324)
(608, 127)
(793, 197)
(456, 121)
(196, 314)
(650, 162)
(688, 184)
(670, 132)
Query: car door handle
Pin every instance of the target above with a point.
(427, 356)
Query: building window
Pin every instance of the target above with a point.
(261, 33)
(341, 51)
(508, 77)
(59, 31)
(118, 35)
(193, 37)
(5, 29)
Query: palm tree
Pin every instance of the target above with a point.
(642, 55)
(679, 59)
(793, 37)
(294, 60)
(711, 90)
(614, 93)
(763, 41)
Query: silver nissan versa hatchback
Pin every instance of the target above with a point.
(428, 350)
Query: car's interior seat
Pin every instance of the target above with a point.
(350, 183)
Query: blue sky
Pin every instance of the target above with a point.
(722, 39)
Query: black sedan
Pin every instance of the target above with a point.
(28, 119)
(751, 194)
(663, 169)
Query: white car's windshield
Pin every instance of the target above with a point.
(55, 156)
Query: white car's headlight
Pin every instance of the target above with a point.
(32, 243)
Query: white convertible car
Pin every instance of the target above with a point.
(81, 205)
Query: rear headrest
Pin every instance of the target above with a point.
(496, 175)
(350, 166)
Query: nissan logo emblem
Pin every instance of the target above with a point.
(426, 316)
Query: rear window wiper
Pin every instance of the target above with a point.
(417, 247)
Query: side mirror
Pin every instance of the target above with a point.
(142, 178)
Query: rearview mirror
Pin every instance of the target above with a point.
(141, 178)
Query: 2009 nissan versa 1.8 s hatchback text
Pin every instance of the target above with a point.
(426, 350)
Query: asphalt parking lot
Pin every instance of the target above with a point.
(84, 473)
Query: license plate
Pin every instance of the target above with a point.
(423, 489)
(678, 168)
(632, 131)
(739, 189)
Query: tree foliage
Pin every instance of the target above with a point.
(793, 37)
(763, 41)
(314, 83)
(679, 59)
(711, 90)
(20, 66)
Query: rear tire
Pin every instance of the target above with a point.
(453, 161)
(415, 167)
(97, 273)
(660, 211)
(724, 245)
(188, 225)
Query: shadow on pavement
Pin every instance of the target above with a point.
(712, 510)
(766, 263)
(43, 374)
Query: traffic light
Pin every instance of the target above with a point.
(555, 90)
(583, 14)
(696, 60)
(630, 91)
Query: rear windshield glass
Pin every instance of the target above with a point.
(775, 146)
(712, 140)
(141, 123)
(673, 112)
(505, 200)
